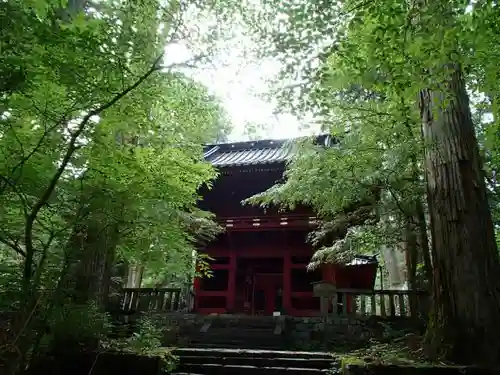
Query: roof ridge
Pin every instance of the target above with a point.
(254, 152)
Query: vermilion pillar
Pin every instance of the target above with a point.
(196, 288)
(287, 283)
(231, 283)
(328, 272)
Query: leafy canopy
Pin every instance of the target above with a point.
(97, 132)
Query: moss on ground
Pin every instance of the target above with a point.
(401, 351)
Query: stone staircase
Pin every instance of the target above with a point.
(243, 333)
(217, 361)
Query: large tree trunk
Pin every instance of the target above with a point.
(464, 322)
(411, 254)
(92, 257)
(134, 276)
(423, 242)
(393, 265)
(417, 252)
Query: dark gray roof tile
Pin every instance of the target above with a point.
(251, 153)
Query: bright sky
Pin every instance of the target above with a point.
(240, 84)
(241, 88)
(239, 81)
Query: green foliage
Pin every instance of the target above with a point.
(362, 99)
(147, 338)
(133, 163)
(147, 342)
(351, 185)
(397, 352)
(357, 67)
(101, 152)
(80, 321)
(71, 323)
(388, 79)
(10, 274)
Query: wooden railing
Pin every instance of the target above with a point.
(385, 303)
(156, 299)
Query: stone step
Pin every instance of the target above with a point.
(220, 369)
(236, 336)
(242, 325)
(234, 328)
(248, 322)
(253, 337)
(235, 345)
(268, 328)
(230, 332)
(239, 343)
(294, 362)
(227, 361)
(230, 352)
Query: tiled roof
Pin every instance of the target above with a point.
(252, 153)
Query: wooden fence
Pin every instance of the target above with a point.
(385, 303)
(156, 299)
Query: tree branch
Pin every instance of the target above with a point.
(43, 258)
(16, 191)
(189, 63)
(13, 246)
(25, 158)
(400, 207)
(72, 147)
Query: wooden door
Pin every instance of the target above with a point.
(266, 292)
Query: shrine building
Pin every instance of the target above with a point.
(259, 264)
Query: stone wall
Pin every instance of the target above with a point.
(177, 326)
(302, 333)
(337, 332)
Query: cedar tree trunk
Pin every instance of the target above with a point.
(465, 319)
